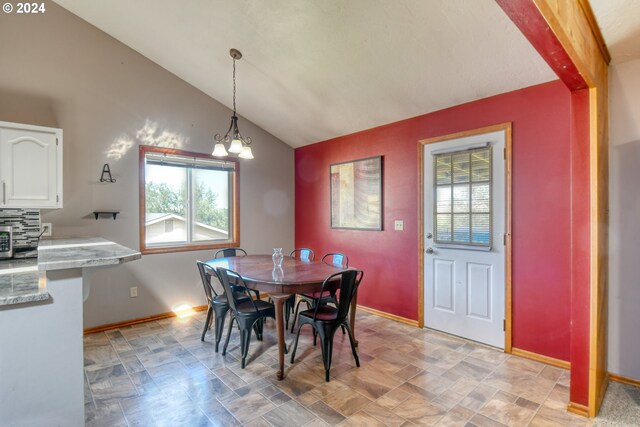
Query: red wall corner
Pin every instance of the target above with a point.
(581, 247)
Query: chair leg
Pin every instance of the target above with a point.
(352, 341)
(244, 343)
(295, 315)
(226, 341)
(295, 344)
(258, 327)
(326, 338)
(288, 307)
(207, 323)
(220, 316)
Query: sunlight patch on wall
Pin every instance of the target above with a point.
(119, 147)
(149, 134)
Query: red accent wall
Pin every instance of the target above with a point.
(541, 209)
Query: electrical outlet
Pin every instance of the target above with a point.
(399, 225)
(47, 228)
(133, 291)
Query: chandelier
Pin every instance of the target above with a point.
(237, 143)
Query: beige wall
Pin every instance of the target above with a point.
(624, 207)
(57, 70)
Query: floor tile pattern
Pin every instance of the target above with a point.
(160, 374)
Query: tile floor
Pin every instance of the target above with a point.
(160, 374)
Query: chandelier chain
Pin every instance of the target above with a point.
(234, 86)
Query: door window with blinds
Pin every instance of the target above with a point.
(462, 198)
(188, 201)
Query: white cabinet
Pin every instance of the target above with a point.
(30, 166)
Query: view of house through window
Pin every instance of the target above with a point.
(462, 197)
(189, 200)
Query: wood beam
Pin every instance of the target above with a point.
(566, 35)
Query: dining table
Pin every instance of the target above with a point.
(294, 276)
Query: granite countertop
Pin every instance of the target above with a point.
(61, 254)
(24, 280)
(21, 282)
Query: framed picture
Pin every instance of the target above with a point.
(356, 194)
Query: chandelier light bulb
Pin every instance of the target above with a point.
(236, 146)
(246, 153)
(219, 150)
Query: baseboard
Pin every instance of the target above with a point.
(390, 316)
(578, 409)
(139, 320)
(624, 380)
(541, 358)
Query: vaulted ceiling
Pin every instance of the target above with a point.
(313, 70)
(619, 21)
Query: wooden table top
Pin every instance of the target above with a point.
(295, 275)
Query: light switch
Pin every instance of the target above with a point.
(399, 225)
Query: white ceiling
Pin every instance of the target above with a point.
(619, 22)
(313, 70)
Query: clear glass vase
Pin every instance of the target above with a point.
(277, 257)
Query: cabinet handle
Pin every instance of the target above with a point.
(4, 193)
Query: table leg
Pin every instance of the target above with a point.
(279, 300)
(352, 317)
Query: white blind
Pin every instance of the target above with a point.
(175, 160)
(462, 197)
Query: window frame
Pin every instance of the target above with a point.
(234, 217)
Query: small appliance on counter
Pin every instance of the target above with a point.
(6, 242)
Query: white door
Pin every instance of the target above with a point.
(464, 223)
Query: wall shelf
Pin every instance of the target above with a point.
(96, 214)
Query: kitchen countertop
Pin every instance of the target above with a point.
(23, 281)
(61, 254)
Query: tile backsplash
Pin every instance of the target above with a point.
(25, 223)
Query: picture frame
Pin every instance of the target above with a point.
(356, 194)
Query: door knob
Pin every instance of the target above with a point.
(429, 251)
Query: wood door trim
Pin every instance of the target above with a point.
(506, 127)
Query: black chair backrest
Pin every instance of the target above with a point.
(349, 282)
(337, 259)
(305, 254)
(206, 272)
(229, 252)
(233, 289)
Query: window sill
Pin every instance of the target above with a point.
(186, 248)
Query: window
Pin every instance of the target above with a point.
(462, 197)
(188, 201)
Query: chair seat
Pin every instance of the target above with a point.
(247, 307)
(325, 313)
(317, 295)
(222, 299)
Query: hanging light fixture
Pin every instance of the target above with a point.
(237, 143)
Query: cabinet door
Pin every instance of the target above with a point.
(29, 167)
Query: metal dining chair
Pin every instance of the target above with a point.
(229, 252)
(217, 302)
(304, 254)
(248, 314)
(326, 319)
(333, 258)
